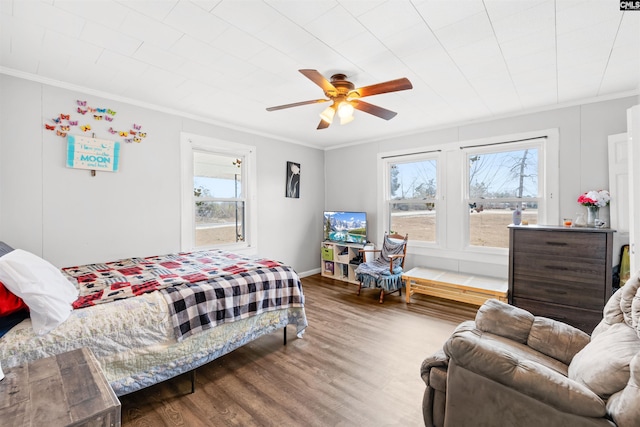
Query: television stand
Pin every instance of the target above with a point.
(339, 260)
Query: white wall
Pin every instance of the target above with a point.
(69, 217)
(583, 164)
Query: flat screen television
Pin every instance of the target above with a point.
(345, 227)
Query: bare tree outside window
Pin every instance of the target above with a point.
(412, 199)
(499, 182)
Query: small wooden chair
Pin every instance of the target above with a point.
(384, 272)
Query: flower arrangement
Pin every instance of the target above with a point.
(597, 199)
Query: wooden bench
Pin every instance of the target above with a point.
(468, 288)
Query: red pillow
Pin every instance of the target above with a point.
(9, 303)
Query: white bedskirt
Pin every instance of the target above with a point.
(134, 340)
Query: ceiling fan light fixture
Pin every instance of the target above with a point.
(345, 110)
(345, 98)
(328, 114)
(345, 120)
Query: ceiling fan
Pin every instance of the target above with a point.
(345, 97)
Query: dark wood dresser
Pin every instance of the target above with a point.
(560, 272)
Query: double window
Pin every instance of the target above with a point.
(218, 183)
(462, 196)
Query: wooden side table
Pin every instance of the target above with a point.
(63, 390)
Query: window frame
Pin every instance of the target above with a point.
(190, 143)
(539, 144)
(387, 162)
(452, 233)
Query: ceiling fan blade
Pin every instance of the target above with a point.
(319, 79)
(297, 104)
(383, 113)
(323, 125)
(385, 87)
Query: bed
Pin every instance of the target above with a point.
(150, 319)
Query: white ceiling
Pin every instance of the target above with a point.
(225, 61)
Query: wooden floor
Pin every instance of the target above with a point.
(357, 365)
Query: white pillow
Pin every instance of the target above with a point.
(42, 286)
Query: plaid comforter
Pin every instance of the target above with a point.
(203, 289)
(102, 283)
(200, 306)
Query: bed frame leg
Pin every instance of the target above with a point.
(193, 381)
(285, 334)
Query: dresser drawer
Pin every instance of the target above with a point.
(570, 293)
(557, 268)
(582, 319)
(573, 245)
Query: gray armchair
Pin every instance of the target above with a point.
(510, 368)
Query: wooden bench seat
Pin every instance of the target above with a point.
(463, 287)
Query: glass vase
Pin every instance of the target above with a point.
(592, 215)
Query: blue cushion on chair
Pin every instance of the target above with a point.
(396, 270)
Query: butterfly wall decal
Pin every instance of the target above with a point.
(106, 114)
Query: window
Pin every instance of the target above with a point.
(501, 178)
(218, 182)
(456, 200)
(218, 199)
(411, 196)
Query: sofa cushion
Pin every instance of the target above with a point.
(603, 364)
(623, 406)
(502, 319)
(556, 339)
(612, 314)
(629, 291)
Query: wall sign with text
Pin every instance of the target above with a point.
(92, 153)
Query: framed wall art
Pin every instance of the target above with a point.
(293, 180)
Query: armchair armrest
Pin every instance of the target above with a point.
(468, 350)
(437, 360)
(440, 359)
(392, 258)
